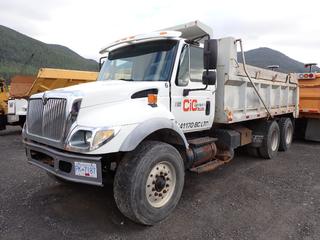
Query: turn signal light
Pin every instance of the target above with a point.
(152, 99)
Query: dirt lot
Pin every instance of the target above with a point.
(247, 199)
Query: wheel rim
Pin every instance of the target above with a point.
(274, 140)
(160, 184)
(289, 135)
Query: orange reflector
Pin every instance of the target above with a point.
(163, 33)
(230, 116)
(152, 99)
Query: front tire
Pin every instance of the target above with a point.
(148, 182)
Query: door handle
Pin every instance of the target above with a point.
(207, 107)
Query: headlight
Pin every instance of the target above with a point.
(85, 140)
(101, 137)
(81, 139)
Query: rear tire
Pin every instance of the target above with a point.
(149, 182)
(286, 133)
(271, 140)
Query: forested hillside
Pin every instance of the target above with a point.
(20, 54)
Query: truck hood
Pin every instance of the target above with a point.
(101, 92)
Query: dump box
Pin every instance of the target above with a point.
(308, 125)
(309, 95)
(236, 98)
(22, 87)
(49, 79)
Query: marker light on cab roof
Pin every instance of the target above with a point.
(155, 35)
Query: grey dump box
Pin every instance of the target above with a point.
(236, 98)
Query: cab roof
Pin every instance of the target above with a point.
(189, 31)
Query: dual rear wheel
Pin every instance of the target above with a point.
(277, 135)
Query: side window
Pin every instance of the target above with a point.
(184, 65)
(196, 64)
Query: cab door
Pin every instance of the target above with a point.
(195, 111)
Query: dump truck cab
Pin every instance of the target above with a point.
(158, 65)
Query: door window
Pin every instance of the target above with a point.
(190, 66)
(184, 66)
(196, 64)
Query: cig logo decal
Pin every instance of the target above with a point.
(192, 105)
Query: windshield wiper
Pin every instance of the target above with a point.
(126, 79)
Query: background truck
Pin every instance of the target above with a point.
(22, 87)
(19, 87)
(163, 103)
(308, 124)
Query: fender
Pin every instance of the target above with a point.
(148, 127)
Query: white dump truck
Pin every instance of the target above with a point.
(163, 103)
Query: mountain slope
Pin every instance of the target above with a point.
(16, 50)
(263, 57)
(20, 54)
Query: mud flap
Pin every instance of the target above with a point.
(313, 130)
(3, 122)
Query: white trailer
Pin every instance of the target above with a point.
(164, 102)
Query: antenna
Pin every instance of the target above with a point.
(309, 65)
(273, 67)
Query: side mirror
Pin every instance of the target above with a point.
(210, 54)
(209, 78)
(101, 62)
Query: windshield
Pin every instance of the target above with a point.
(149, 61)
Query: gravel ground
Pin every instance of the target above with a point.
(247, 199)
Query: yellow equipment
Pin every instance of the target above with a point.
(22, 87)
(4, 96)
(49, 79)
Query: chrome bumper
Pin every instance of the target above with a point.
(62, 164)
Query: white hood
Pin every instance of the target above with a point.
(101, 92)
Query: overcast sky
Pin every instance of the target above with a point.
(85, 26)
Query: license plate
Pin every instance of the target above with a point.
(85, 169)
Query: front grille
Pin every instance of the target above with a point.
(47, 120)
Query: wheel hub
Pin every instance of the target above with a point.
(160, 184)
